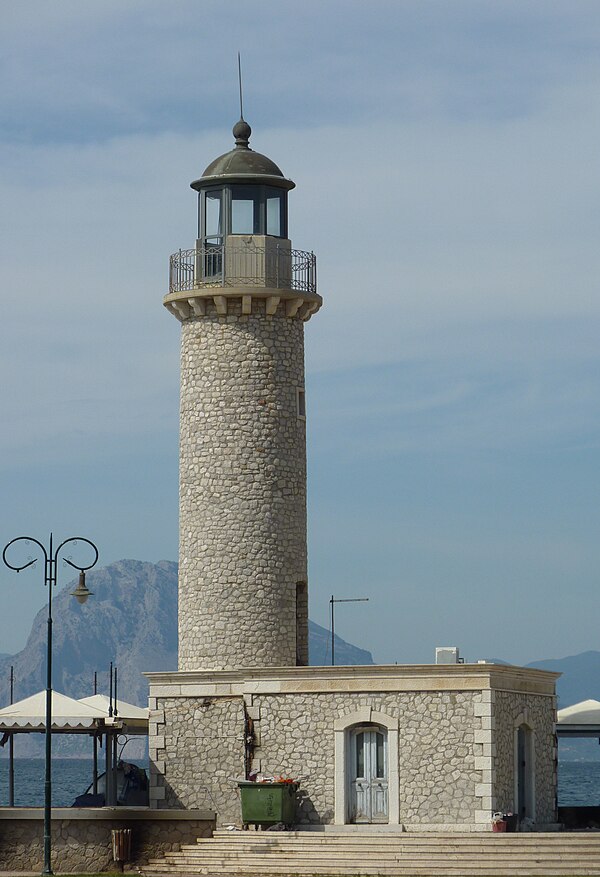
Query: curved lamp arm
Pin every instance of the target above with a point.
(75, 540)
(30, 562)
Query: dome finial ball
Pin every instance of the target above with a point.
(242, 132)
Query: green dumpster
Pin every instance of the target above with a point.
(268, 803)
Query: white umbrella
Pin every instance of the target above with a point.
(68, 715)
(579, 720)
(133, 718)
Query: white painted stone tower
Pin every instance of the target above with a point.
(242, 295)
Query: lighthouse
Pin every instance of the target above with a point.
(242, 295)
(418, 747)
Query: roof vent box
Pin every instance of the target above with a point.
(447, 655)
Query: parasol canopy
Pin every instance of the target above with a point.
(579, 720)
(68, 715)
(130, 718)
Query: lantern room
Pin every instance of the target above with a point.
(241, 193)
(242, 245)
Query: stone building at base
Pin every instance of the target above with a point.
(425, 747)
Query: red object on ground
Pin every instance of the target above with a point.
(499, 826)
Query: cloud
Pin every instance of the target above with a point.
(445, 157)
(465, 259)
(79, 72)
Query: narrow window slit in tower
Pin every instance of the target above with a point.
(301, 624)
(300, 403)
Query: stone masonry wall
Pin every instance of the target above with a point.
(439, 769)
(510, 709)
(85, 845)
(197, 750)
(242, 490)
(437, 753)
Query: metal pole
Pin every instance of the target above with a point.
(48, 581)
(108, 783)
(114, 770)
(95, 773)
(111, 780)
(95, 768)
(332, 601)
(108, 771)
(11, 748)
(115, 749)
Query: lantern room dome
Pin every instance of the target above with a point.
(242, 164)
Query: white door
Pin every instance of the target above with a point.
(368, 774)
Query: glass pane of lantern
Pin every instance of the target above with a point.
(213, 214)
(242, 216)
(274, 216)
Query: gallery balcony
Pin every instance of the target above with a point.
(244, 261)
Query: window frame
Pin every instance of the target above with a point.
(259, 193)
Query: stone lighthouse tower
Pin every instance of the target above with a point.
(242, 295)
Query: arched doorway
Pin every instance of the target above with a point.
(368, 774)
(344, 727)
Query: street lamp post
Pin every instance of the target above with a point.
(81, 593)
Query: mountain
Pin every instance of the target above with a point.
(132, 621)
(319, 648)
(580, 679)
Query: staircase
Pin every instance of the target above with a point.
(361, 852)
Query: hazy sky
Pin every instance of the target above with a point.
(446, 160)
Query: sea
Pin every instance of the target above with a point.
(578, 781)
(70, 778)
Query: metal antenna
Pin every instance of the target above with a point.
(240, 82)
(332, 603)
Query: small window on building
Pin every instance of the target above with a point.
(301, 403)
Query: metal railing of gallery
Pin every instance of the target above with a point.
(230, 265)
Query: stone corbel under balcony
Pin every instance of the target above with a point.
(193, 303)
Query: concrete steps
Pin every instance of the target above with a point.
(374, 853)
